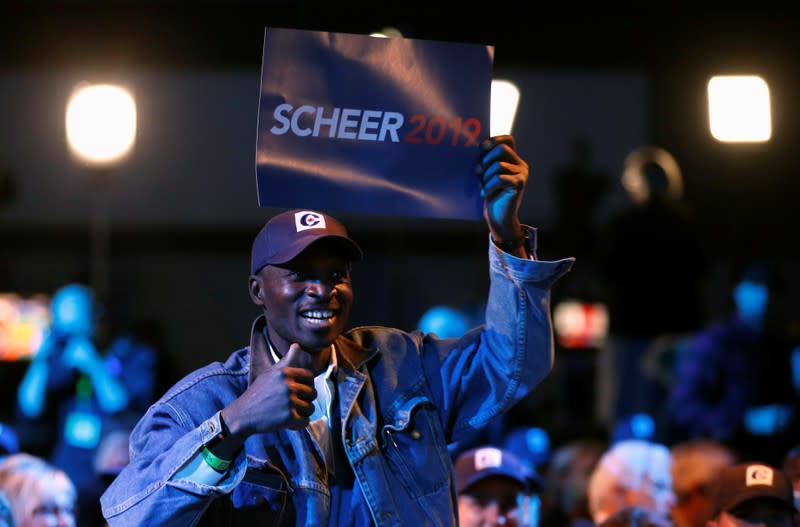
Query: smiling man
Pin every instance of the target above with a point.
(315, 424)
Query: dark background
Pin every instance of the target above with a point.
(675, 48)
(186, 275)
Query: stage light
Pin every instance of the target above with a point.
(739, 109)
(101, 130)
(387, 32)
(101, 123)
(505, 100)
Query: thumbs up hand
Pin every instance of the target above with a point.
(280, 397)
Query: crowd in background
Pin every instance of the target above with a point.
(729, 405)
(696, 423)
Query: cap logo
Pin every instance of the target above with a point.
(306, 219)
(488, 458)
(758, 475)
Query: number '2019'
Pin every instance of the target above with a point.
(436, 129)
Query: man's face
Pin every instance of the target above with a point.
(489, 502)
(307, 300)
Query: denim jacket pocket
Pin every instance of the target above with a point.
(260, 499)
(415, 449)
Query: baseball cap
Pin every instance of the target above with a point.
(745, 481)
(289, 233)
(479, 463)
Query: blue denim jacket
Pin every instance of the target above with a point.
(402, 398)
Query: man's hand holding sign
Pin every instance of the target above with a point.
(503, 176)
(314, 423)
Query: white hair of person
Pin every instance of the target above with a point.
(632, 472)
(24, 478)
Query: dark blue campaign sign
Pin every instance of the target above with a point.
(385, 126)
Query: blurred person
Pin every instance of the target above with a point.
(9, 440)
(734, 380)
(632, 472)
(316, 424)
(494, 487)
(695, 466)
(652, 266)
(73, 392)
(531, 444)
(566, 502)
(40, 494)
(579, 188)
(636, 516)
(753, 494)
(791, 466)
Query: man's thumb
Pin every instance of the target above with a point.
(297, 357)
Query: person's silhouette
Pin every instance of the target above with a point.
(579, 188)
(78, 393)
(652, 264)
(734, 379)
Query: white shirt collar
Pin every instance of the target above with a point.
(326, 374)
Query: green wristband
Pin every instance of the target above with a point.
(217, 463)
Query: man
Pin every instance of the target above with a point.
(631, 473)
(633, 245)
(493, 488)
(695, 466)
(314, 425)
(568, 473)
(80, 392)
(734, 379)
(750, 494)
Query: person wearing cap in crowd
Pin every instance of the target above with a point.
(313, 424)
(494, 487)
(748, 494)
